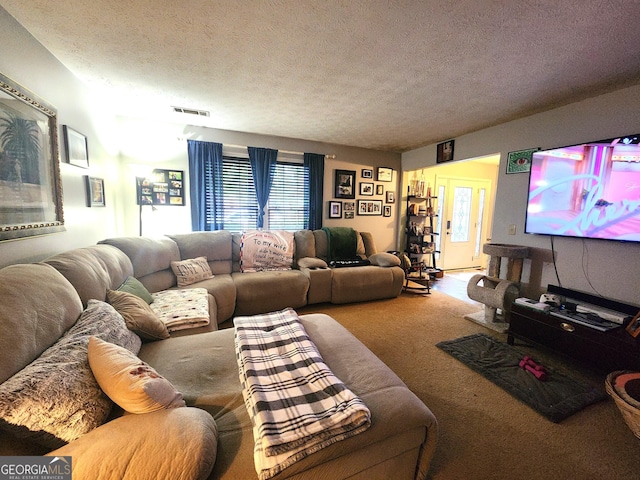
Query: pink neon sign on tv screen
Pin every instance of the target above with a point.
(590, 190)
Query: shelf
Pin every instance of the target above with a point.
(416, 242)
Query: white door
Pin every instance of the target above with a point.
(462, 221)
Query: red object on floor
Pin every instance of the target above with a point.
(537, 370)
(527, 359)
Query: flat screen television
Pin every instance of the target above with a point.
(591, 190)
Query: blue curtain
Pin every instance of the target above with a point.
(263, 166)
(205, 176)
(314, 170)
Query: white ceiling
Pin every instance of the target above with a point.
(389, 75)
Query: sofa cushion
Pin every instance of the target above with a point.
(128, 381)
(222, 288)
(191, 270)
(262, 292)
(266, 250)
(138, 315)
(38, 305)
(305, 244)
(361, 284)
(56, 398)
(92, 270)
(216, 246)
(133, 285)
(151, 259)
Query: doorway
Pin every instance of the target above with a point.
(463, 221)
(478, 174)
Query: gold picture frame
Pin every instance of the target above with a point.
(30, 183)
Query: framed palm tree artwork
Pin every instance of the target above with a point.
(30, 185)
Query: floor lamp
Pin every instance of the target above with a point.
(141, 172)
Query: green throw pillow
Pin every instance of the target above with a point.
(133, 285)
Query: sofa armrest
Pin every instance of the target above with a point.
(384, 259)
(311, 262)
(179, 443)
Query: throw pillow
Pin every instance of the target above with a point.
(130, 382)
(133, 285)
(138, 315)
(266, 250)
(56, 399)
(384, 259)
(191, 271)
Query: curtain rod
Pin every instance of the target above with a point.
(287, 152)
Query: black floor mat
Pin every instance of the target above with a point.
(556, 398)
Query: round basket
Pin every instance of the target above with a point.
(630, 413)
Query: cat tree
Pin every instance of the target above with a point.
(496, 293)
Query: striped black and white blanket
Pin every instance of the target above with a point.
(297, 405)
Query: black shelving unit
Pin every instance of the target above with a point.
(420, 239)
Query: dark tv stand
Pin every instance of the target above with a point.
(602, 351)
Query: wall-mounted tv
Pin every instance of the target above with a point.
(590, 190)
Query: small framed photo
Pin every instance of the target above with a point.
(385, 174)
(75, 145)
(369, 207)
(391, 197)
(349, 207)
(335, 209)
(95, 191)
(349, 215)
(444, 151)
(634, 326)
(366, 188)
(386, 212)
(345, 184)
(379, 189)
(367, 173)
(520, 161)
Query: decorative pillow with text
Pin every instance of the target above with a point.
(262, 250)
(191, 271)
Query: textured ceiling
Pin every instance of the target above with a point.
(389, 75)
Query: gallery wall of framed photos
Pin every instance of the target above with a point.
(359, 191)
(163, 187)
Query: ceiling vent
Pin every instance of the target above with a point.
(191, 111)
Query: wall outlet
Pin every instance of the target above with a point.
(512, 229)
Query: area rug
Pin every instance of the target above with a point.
(556, 398)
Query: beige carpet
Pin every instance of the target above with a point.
(484, 432)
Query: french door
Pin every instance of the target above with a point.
(462, 221)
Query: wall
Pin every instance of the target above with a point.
(26, 62)
(610, 269)
(163, 145)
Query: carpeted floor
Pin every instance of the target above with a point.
(485, 433)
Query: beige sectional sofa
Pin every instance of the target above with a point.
(237, 293)
(211, 437)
